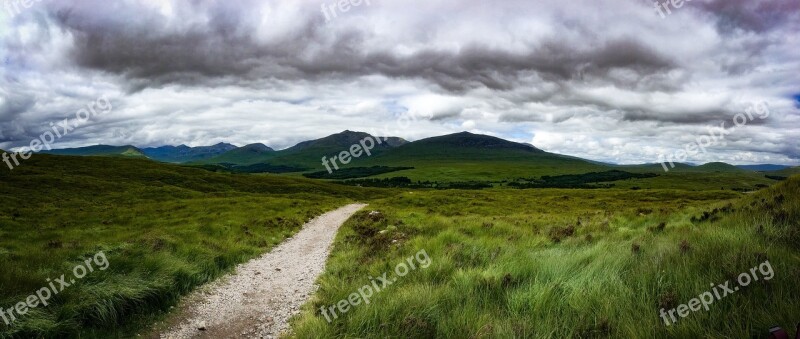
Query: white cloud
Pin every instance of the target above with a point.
(572, 78)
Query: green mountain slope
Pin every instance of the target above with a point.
(305, 155)
(100, 150)
(763, 167)
(718, 167)
(786, 172)
(245, 155)
(466, 157)
(183, 153)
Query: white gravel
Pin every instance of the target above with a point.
(259, 298)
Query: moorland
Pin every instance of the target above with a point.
(522, 242)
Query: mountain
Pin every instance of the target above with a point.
(100, 150)
(718, 167)
(183, 153)
(657, 167)
(457, 157)
(462, 145)
(474, 157)
(343, 140)
(245, 155)
(763, 167)
(304, 155)
(786, 172)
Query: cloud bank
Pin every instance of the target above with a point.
(610, 81)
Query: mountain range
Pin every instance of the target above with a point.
(464, 155)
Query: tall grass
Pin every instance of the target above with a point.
(564, 264)
(165, 230)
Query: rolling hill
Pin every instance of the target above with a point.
(787, 172)
(245, 155)
(717, 167)
(100, 150)
(763, 167)
(183, 153)
(306, 155)
(466, 157)
(459, 157)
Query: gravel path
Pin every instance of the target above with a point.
(259, 298)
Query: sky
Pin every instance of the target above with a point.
(615, 81)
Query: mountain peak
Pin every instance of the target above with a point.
(341, 140)
(184, 153)
(471, 140)
(257, 147)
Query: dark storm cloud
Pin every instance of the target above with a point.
(224, 48)
(752, 15)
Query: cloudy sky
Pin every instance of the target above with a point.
(605, 80)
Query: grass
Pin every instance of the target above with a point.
(505, 262)
(165, 230)
(564, 263)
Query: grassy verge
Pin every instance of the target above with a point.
(564, 263)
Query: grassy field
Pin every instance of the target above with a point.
(504, 262)
(164, 230)
(564, 263)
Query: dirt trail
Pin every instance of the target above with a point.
(259, 298)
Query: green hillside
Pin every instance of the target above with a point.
(718, 167)
(305, 155)
(454, 158)
(466, 156)
(100, 150)
(165, 230)
(245, 155)
(786, 172)
(183, 153)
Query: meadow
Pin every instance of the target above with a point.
(552, 263)
(164, 229)
(505, 262)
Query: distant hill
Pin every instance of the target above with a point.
(305, 155)
(183, 153)
(659, 167)
(470, 141)
(245, 155)
(682, 167)
(786, 172)
(100, 150)
(466, 156)
(718, 167)
(763, 167)
(458, 157)
(342, 140)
